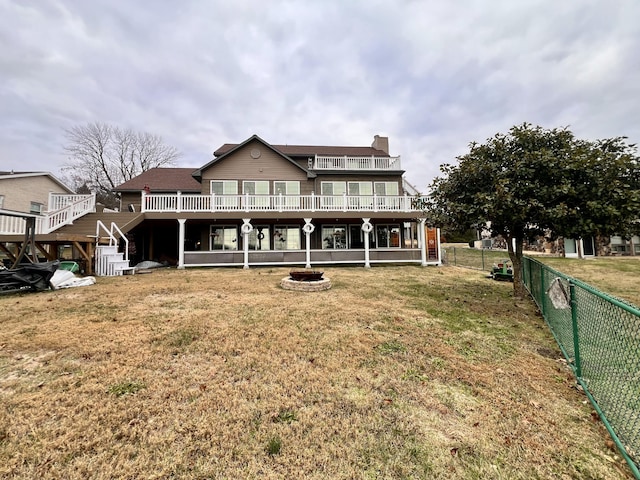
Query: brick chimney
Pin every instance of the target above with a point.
(381, 143)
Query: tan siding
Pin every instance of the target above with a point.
(20, 192)
(241, 166)
(129, 198)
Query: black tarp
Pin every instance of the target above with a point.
(29, 277)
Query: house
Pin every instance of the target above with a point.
(256, 203)
(253, 204)
(34, 204)
(29, 192)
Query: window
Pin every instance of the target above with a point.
(1, 201)
(287, 188)
(255, 187)
(360, 194)
(224, 187)
(333, 189)
(385, 190)
(259, 191)
(36, 208)
(360, 188)
(220, 188)
(260, 238)
(388, 236)
(334, 236)
(223, 237)
(286, 237)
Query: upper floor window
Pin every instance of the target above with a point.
(36, 208)
(259, 191)
(224, 187)
(255, 187)
(286, 188)
(333, 188)
(1, 201)
(386, 188)
(360, 188)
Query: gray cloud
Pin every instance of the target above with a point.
(433, 75)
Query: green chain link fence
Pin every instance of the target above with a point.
(599, 336)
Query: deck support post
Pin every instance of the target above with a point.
(423, 241)
(246, 229)
(366, 230)
(181, 222)
(308, 229)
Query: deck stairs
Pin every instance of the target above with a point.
(109, 260)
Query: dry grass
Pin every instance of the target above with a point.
(614, 275)
(396, 372)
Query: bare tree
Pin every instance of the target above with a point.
(105, 156)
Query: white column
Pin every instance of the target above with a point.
(308, 229)
(246, 229)
(181, 222)
(423, 243)
(438, 246)
(366, 230)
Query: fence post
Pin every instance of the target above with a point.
(574, 323)
(455, 261)
(543, 297)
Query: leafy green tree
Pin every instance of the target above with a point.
(533, 180)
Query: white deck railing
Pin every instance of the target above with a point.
(10, 225)
(63, 210)
(326, 162)
(70, 208)
(276, 203)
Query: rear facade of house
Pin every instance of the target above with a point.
(260, 204)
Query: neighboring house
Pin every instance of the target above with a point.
(29, 192)
(622, 246)
(260, 204)
(32, 203)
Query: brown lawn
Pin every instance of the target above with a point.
(396, 372)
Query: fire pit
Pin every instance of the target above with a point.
(306, 275)
(306, 281)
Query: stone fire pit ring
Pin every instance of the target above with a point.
(306, 281)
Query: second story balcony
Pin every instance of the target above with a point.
(325, 162)
(178, 203)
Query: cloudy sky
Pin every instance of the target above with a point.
(433, 75)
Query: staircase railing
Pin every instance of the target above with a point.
(76, 208)
(113, 240)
